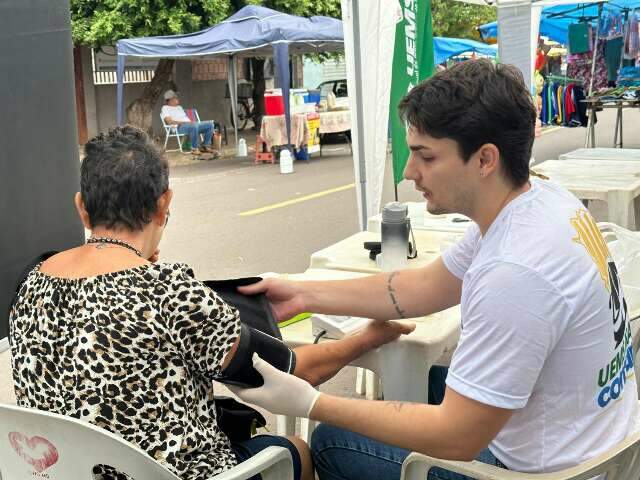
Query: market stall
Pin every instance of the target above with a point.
(252, 31)
(602, 50)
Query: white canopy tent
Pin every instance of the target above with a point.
(369, 33)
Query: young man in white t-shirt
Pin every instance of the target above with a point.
(542, 378)
(173, 114)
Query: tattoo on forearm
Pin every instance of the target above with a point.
(392, 295)
(397, 405)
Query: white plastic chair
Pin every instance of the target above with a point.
(34, 443)
(621, 462)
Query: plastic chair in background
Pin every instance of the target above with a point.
(34, 443)
(171, 131)
(621, 462)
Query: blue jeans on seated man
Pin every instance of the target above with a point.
(343, 455)
(194, 130)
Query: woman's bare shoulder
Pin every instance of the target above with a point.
(61, 261)
(81, 263)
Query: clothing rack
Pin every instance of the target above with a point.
(563, 79)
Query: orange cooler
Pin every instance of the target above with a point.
(273, 102)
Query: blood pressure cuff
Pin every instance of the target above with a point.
(259, 333)
(254, 310)
(274, 351)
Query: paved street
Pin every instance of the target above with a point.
(208, 231)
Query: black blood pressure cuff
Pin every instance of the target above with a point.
(254, 310)
(259, 333)
(240, 371)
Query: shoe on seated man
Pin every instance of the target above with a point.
(210, 149)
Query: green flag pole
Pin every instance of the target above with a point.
(412, 63)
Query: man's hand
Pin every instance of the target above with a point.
(282, 394)
(286, 299)
(377, 333)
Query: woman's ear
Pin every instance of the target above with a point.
(82, 212)
(162, 209)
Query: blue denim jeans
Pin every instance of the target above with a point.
(194, 130)
(343, 455)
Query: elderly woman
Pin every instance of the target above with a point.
(102, 333)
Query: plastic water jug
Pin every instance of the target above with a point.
(242, 148)
(395, 237)
(286, 162)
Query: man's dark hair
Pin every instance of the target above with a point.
(121, 178)
(476, 102)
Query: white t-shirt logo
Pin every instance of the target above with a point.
(612, 377)
(617, 304)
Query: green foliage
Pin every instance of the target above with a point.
(103, 22)
(304, 8)
(459, 20)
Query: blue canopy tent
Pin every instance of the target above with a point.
(253, 31)
(555, 20)
(445, 48)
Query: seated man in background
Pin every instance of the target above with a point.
(173, 114)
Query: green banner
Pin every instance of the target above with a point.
(412, 63)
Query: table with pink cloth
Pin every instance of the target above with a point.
(274, 130)
(335, 121)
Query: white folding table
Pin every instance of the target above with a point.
(349, 254)
(616, 182)
(602, 154)
(423, 220)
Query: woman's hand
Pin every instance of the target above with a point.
(285, 296)
(378, 333)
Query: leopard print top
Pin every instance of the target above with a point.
(133, 352)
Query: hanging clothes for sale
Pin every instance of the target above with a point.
(632, 36)
(611, 24)
(579, 34)
(612, 56)
(561, 104)
(579, 66)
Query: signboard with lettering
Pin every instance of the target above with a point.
(412, 63)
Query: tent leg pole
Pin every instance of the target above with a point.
(594, 58)
(359, 116)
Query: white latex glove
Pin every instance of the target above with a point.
(281, 394)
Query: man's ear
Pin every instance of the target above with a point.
(488, 159)
(82, 212)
